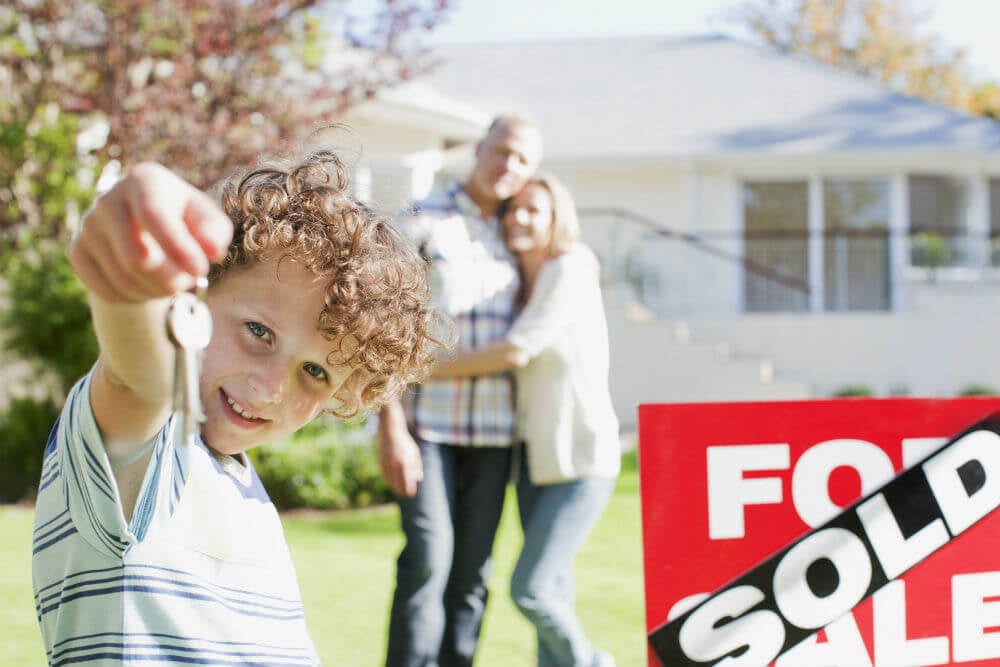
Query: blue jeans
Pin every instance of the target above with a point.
(442, 572)
(556, 519)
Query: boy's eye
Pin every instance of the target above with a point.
(259, 330)
(316, 371)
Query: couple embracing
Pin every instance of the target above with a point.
(525, 397)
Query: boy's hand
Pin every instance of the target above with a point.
(150, 236)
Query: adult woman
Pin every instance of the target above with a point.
(559, 349)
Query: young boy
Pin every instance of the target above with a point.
(150, 550)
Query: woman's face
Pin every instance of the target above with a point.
(527, 222)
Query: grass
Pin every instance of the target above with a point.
(346, 563)
(21, 640)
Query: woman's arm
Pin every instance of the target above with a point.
(553, 301)
(496, 357)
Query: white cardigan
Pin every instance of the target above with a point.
(564, 408)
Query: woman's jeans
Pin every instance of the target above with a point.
(556, 519)
(442, 572)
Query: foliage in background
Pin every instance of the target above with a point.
(24, 429)
(203, 86)
(328, 464)
(44, 184)
(878, 39)
(44, 181)
(931, 250)
(852, 390)
(47, 321)
(977, 390)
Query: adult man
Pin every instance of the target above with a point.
(446, 451)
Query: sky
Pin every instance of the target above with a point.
(967, 24)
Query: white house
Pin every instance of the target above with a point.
(769, 227)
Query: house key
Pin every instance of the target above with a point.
(189, 327)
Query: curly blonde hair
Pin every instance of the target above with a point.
(377, 311)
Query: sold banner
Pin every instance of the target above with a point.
(834, 533)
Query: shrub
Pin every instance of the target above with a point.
(852, 390)
(977, 390)
(932, 250)
(48, 319)
(24, 430)
(328, 464)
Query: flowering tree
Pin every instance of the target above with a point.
(879, 39)
(200, 85)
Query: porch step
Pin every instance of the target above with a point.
(659, 361)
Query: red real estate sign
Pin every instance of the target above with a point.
(834, 533)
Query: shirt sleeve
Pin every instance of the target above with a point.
(559, 293)
(416, 227)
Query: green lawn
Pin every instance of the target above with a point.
(345, 564)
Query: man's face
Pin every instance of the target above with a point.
(505, 159)
(266, 371)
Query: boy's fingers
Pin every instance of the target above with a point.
(157, 200)
(148, 237)
(90, 273)
(126, 247)
(119, 247)
(159, 275)
(209, 226)
(118, 281)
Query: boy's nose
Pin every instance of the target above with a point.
(268, 384)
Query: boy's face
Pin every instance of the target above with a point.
(265, 372)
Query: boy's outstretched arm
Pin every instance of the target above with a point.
(144, 240)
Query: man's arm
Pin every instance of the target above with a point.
(398, 453)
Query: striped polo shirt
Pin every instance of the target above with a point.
(474, 280)
(201, 574)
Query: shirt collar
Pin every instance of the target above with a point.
(465, 205)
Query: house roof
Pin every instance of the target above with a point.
(416, 103)
(691, 96)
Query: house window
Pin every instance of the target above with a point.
(937, 221)
(776, 245)
(856, 244)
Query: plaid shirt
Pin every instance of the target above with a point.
(474, 281)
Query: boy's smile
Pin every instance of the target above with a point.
(266, 371)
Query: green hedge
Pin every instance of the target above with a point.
(852, 390)
(47, 321)
(977, 390)
(24, 430)
(328, 464)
